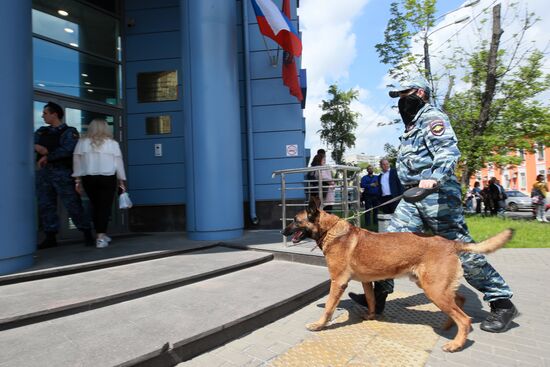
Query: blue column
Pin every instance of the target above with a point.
(17, 205)
(212, 119)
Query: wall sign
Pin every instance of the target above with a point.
(292, 150)
(157, 86)
(156, 125)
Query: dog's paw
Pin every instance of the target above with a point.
(452, 347)
(314, 326)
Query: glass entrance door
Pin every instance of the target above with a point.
(79, 115)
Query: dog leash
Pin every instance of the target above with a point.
(412, 195)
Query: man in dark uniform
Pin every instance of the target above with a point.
(54, 145)
(371, 195)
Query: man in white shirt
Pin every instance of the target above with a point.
(390, 186)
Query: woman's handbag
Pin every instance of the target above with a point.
(124, 201)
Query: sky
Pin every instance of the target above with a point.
(338, 47)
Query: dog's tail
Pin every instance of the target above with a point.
(489, 245)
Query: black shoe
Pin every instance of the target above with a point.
(49, 242)
(358, 298)
(499, 320)
(379, 297)
(88, 238)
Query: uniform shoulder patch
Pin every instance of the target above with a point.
(437, 127)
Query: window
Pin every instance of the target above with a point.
(521, 154)
(76, 50)
(77, 25)
(522, 180)
(540, 152)
(63, 70)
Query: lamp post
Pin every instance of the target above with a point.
(427, 65)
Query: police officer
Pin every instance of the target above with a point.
(54, 145)
(427, 157)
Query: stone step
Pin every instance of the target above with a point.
(44, 299)
(163, 329)
(77, 259)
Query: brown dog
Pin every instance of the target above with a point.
(353, 253)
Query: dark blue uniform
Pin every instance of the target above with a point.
(429, 151)
(55, 178)
(370, 196)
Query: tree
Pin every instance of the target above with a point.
(391, 153)
(501, 109)
(408, 19)
(517, 119)
(338, 122)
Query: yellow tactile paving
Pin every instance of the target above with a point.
(404, 337)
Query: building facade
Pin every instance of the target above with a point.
(520, 177)
(192, 91)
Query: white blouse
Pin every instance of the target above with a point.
(105, 160)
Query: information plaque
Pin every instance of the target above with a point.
(157, 86)
(156, 125)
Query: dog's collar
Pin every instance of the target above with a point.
(322, 238)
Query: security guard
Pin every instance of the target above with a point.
(427, 158)
(54, 145)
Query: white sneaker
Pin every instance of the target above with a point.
(106, 238)
(101, 243)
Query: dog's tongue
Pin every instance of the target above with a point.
(296, 236)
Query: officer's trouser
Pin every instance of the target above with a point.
(51, 182)
(442, 214)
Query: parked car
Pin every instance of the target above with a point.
(517, 200)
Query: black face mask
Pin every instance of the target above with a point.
(409, 106)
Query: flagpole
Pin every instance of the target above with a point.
(249, 121)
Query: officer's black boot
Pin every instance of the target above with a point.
(49, 241)
(379, 296)
(88, 238)
(503, 312)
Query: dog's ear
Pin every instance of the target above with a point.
(313, 206)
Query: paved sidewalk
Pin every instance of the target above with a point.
(409, 335)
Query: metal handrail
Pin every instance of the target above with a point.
(344, 183)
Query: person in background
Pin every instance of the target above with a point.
(311, 176)
(476, 191)
(538, 195)
(370, 195)
(487, 200)
(97, 163)
(54, 145)
(498, 197)
(327, 184)
(390, 186)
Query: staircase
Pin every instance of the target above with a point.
(148, 312)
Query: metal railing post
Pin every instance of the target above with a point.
(345, 194)
(283, 202)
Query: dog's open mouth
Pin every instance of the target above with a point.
(298, 236)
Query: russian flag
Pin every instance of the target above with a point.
(290, 75)
(277, 26)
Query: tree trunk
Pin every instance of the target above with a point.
(449, 89)
(491, 81)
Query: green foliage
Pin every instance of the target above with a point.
(518, 114)
(338, 122)
(408, 18)
(391, 153)
(517, 118)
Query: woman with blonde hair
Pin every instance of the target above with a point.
(97, 164)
